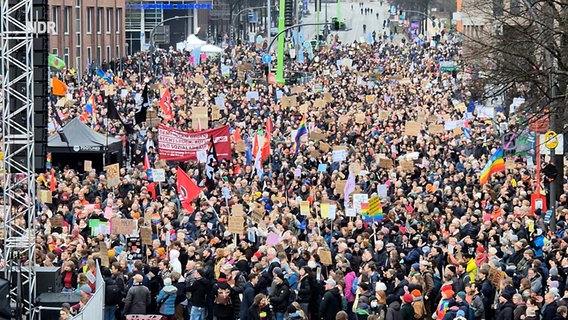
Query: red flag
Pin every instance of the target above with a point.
(147, 165)
(187, 189)
(52, 181)
(266, 151)
(269, 126)
(152, 190)
(166, 105)
(255, 146)
(237, 135)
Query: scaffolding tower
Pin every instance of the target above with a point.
(17, 105)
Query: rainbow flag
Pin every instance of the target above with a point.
(302, 130)
(367, 217)
(495, 164)
(90, 106)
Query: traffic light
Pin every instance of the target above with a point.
(289, 13)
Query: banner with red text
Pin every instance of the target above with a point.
(177, 145)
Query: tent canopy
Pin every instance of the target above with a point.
(81, 139)
(191, 43)
(209, 48)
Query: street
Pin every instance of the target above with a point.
(350, 13)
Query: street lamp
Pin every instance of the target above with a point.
(152, 33)
(243, 10)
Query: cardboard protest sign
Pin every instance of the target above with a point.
(112, 175)
(383, 115)
(385, 163)
(44, 196)
(319, 103)
(123, 226)
(317, 136)
(412, 129)
(340, 186)
(370, 98)
(510, 164)
(325, 257)
(297, 90)
(327, 97)
(407, 165)
(87, 165)
(56, 221)
(146, 235)
(324, 147)
(215, 112)
(436, 129)
(199, 118)
(360, 118)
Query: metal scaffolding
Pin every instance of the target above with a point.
(17, 104)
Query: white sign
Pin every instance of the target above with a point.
(359, 198)
(159, 175)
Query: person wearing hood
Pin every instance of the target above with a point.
(331, 302)
(393, 311)
(279, 294)
(166, 300)
(175, 264)
(407, 311)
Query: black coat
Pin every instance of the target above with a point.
(279, 296)
(304, 290)
(248, 298)
(330, 304)
(506, 311)
(550, 311)
(199, 290)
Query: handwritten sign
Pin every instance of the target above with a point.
(112, 175)
(305, 208)
(436, 129)
(412, 129)
(146, 235)
(56, 222)
(325, 257)
(123, 226)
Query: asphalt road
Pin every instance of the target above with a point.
(350, 13)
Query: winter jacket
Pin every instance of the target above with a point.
(330, 304)
(520, 310)
(254, 313)
(199, 290)
(506, 311)
(304, 290)
(349, 279)
(407, 312)
(279, 296)
(168, 298)
(248, 298)
(419, 308)
(478, 307)
(137, 299)
(536, 284)
(549, 310)
(393, 311)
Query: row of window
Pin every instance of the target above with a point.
(100, 19)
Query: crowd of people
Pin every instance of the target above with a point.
(445, 246)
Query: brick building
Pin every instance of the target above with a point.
(87, 31)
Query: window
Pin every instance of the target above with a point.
(89, 55)
(99, 54)
(55, 17)
(78, 20)
(55, 51)
(66, 56)
(118, 18)
(109, 20)
(99, 19)
(89, 24)
(66, 19)
(108, 58)
(117, 53)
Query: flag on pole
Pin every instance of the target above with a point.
(58, 87)
(495, 164)
(349, 187)
(90, 106)
(302, 130)
(237, 135)
(211, 165)
(55, 62)
(467, 129)
(166, 105)
(52, 181)
(103, 79)
(186, 189)
(140, 115)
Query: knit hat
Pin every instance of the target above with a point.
(380, 286)
(461, 294)
(415, 266)
(167, 282)
(416, 293)
(407, 298)
(460, 313)
(480, 249)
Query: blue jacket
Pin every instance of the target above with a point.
(169, 294)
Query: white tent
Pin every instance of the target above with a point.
(209, 48)
(191, 43)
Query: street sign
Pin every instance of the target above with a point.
(267, 58)
(551, 139)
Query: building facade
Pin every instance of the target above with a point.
(87, 31)
(142, 16)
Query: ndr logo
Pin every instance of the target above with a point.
(42, 27)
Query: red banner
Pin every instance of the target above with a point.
(177, 145)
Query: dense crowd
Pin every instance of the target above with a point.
(444, 247)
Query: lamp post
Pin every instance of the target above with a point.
(246, 9)
(280, 57)
(152, 33)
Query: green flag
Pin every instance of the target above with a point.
(55, 62)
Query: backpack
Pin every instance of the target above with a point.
(113, 296)
(437, 282)
(223, 296)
